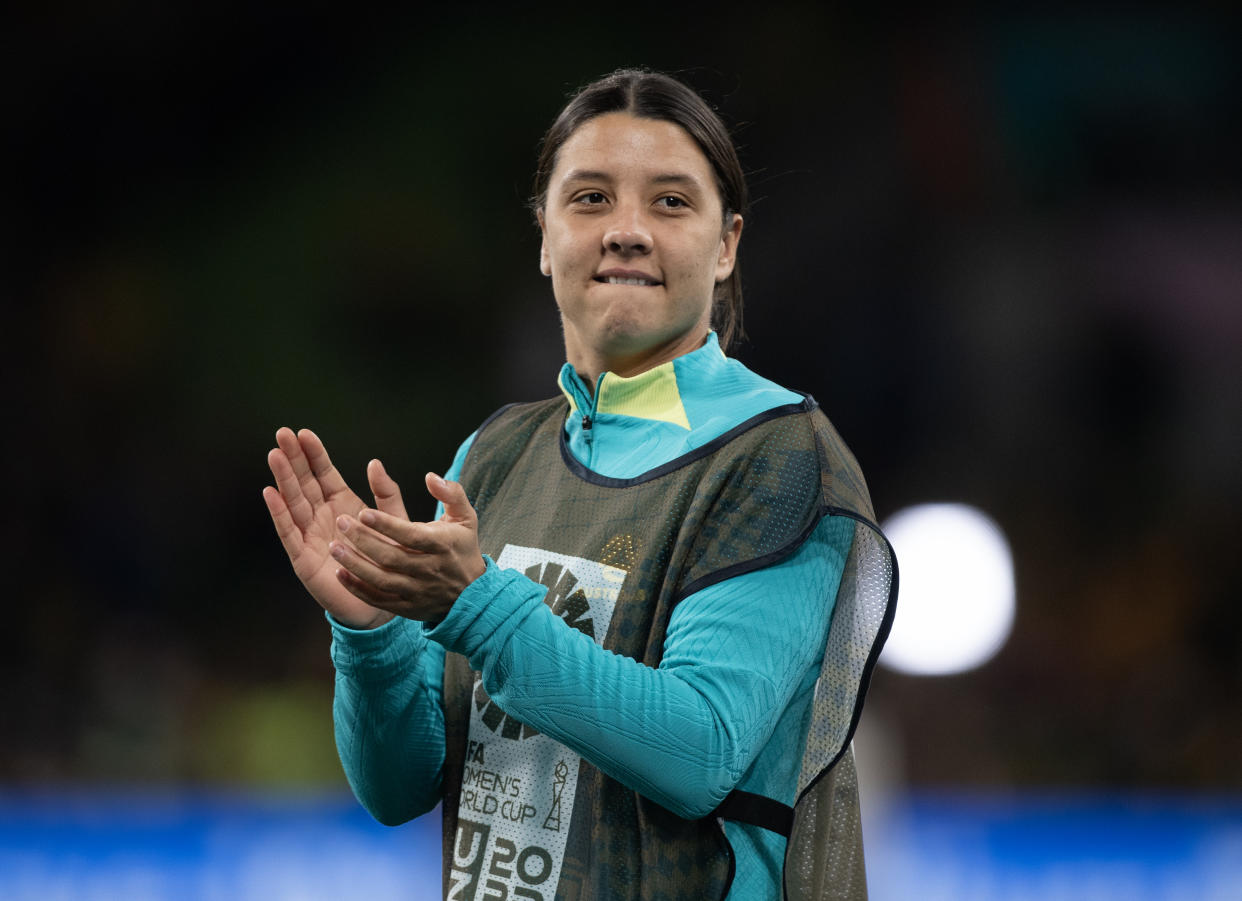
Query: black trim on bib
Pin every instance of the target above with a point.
(486, 422)
(806, 405)
(756, 810)
(746, 566)
(873, 657)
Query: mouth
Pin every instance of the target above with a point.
(633, 279)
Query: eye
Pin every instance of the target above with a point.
(672, 202)
(591, 198)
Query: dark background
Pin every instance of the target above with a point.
(1004, 253)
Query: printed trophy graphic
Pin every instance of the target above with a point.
(553, 820)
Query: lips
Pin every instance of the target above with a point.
(626, 277)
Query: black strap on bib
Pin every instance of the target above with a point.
(756, 810)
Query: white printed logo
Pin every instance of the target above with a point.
(518, 786)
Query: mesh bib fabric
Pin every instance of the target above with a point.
(741, 502)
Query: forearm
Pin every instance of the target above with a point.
(613, 711)
(388, 718)
(683, 734)
(388, 710)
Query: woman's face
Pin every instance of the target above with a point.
(634, 240)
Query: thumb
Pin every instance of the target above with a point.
(453, 496)
(386, 490)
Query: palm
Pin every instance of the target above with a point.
(311, 494)
(313, 564)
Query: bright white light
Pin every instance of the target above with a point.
(956, 600)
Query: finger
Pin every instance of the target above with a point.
(366, 592)
(290, 488)
(288, 442)
(456, 505)
(380, 548)
(386, 490)
(321, 466)
(290, 535)
(377, 577)
(415, 536)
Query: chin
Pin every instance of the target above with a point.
(629, 334)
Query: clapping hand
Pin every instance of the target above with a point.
(365, 565)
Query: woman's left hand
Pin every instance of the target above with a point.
(412, 569)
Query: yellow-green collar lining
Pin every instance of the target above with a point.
(649, 395)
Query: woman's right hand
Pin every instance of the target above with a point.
(309, 496)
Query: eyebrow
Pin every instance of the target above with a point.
(664, 178)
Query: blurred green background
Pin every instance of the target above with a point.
(1004, 253)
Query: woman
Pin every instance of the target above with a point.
(603, 655)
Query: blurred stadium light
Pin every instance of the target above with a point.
(957, 589)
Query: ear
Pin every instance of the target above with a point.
(545, 261)
(729, 241)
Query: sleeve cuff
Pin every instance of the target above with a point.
(484, 609)
(376, 655)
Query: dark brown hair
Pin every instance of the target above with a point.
(654, 95)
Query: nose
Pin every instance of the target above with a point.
(626, 235)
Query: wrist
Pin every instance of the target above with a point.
(470, 574)
(375, 655)
(485, 610)
(375, 621)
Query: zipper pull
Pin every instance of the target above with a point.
(586, 427)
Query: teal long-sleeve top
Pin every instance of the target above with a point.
(727, 708)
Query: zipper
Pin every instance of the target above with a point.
(588, 420)
(587, 439)
(585, 402)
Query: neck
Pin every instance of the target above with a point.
(591, 365)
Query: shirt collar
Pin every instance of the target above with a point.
(653, 394)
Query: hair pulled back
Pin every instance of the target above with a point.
(654, 95)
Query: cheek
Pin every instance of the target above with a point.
(567, 253)
(706, 258)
